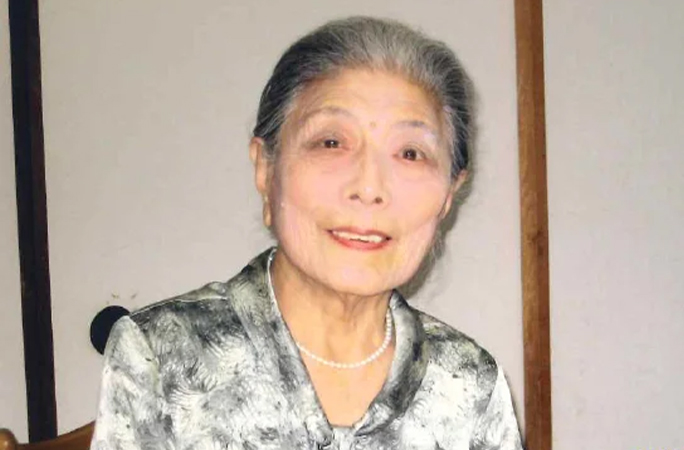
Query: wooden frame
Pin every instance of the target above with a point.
(534, 222)
(29, 158)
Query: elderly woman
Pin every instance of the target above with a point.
(360, 145)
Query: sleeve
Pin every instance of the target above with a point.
(130, 413)
(497, 427)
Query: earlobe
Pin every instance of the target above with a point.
(447, 206)
(266, 213)
(453, 189)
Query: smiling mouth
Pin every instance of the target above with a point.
(373, 238)
(369, 240)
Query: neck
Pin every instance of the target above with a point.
(338, 325)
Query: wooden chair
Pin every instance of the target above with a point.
(79, 439)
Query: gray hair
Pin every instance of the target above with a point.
(364, 42)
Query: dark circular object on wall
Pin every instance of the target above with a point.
(102, 325)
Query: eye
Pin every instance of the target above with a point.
(331, 143)
(411, 154)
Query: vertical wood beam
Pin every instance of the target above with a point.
(32, 219)
(534, 222)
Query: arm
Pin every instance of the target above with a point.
(497, 427)
(130, 414)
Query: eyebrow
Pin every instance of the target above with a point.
(325, 110)
(337, 111)
(418, 124)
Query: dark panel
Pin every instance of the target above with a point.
(32, 219)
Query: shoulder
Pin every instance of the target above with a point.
(199, 318)
(193, 305)
(457, 354)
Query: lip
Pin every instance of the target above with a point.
(337, 234)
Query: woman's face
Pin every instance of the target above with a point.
(361, 181)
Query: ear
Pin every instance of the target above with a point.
(262, 174)
(453, 189)
(262, 165)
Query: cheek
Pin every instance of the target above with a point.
(419, 203)
(417, 239)
(419, 210)
(302, 200)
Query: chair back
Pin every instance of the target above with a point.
(79, 439)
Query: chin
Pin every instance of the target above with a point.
(350, 271)
(359, 288)
(368, 282)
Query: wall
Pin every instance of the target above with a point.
(615, 103)
(12, 384)
(148, 107)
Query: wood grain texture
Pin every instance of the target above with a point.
(29, 159)
(534, 223)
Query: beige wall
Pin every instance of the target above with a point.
(148, 107)
(12, 384)
(615, 116)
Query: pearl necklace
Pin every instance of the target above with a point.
(326, 362)
(375, 355)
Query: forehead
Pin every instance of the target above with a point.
(372, 97)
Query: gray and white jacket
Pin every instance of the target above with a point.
(217, 368)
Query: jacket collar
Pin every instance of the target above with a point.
(275, 347)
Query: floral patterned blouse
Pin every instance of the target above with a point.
(217, 368)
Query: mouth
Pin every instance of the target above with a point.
(360, 239)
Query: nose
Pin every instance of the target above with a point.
(368, 185)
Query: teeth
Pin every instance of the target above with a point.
(372, 238)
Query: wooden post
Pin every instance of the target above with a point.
(534, 222)
(32, 219)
